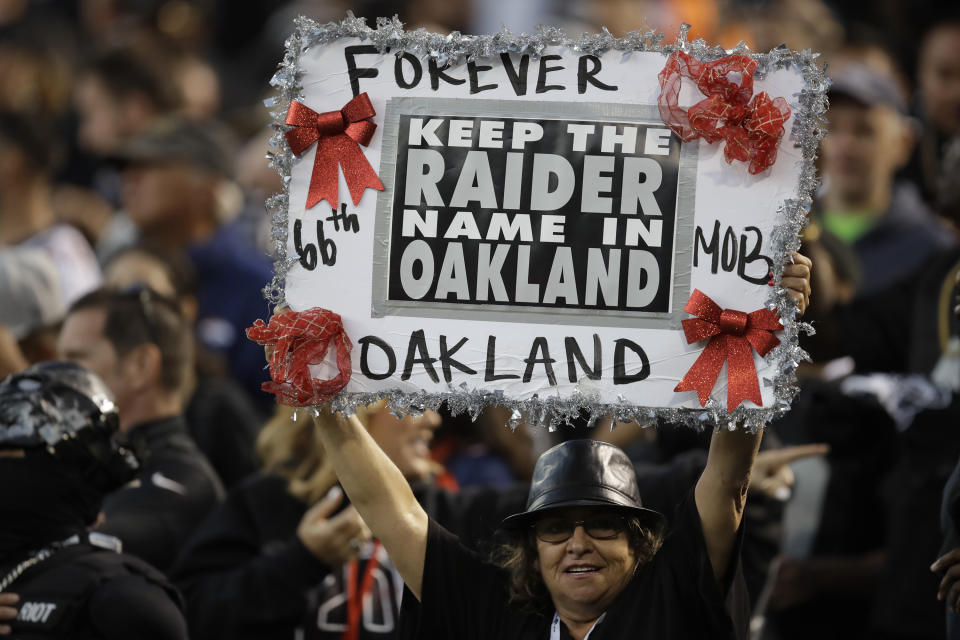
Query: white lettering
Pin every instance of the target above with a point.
(460, 133)
(580, 133)
(524, 132)
(424, 134)
(627, 140)
(424, 170)
(413, 222)
(657, 142)
(491, 134)
(37, 612)
(503, 228)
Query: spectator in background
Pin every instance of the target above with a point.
(57, 462)
(885, 222)
(221, 419)
(35, 70)
(259, 181)
(199, 87)
(173, 178)
(117, 95)
(138, 343)
(937, 103)
(44, 265)
(27, 219)
(276, 559)
(31, 306)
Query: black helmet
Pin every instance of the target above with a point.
(585, 473)
(67, 410)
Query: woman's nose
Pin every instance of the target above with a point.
(578, 540)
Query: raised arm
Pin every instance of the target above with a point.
(380, 493)
(722, 488)
(722, 491)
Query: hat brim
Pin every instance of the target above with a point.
(650, 519)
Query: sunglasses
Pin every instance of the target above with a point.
(556, 529)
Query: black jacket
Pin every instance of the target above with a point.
(174, 491)
(245, 573)
(224, 424)
(84, 592)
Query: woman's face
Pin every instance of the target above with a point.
(583, 574)
(407, 441)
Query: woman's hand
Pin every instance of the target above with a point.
(796, 280)
(334, 541)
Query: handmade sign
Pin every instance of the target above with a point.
(546, 223)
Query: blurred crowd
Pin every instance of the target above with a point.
(134, 241)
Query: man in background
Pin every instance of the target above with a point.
(885, 221)
(138, 344)
(175, 178)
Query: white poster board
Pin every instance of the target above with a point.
(540, 228)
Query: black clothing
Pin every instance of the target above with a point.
(950, 524)
(247, 575)
(674, 596)
(852, 518)
(84, 592)
(903, 328)
(906, 605)
(224, 423)
(44, 500)
(175, 489)
(244, 572)
(678, 457)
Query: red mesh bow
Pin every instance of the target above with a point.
(338, 135)
(301, 339)
(732, 334)
(752, 125)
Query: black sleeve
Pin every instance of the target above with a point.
(233, 579)
(155, 518)
(132, 607)
(461, 597)
(873, 331)
(722, 607)
(147, 520)
(224, 424)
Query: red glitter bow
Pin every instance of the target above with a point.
(338, 135)
(751, 124)
(731, 335)
(299, 340)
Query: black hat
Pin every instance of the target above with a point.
(866, 86)
(68, 411)
(584, 473)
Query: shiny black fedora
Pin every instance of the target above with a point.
(584, 473)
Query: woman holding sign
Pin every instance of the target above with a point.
(588, 559)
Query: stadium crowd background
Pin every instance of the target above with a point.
(132, 155)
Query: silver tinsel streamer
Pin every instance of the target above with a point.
(809, 127)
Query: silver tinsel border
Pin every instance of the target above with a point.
(808, 129)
